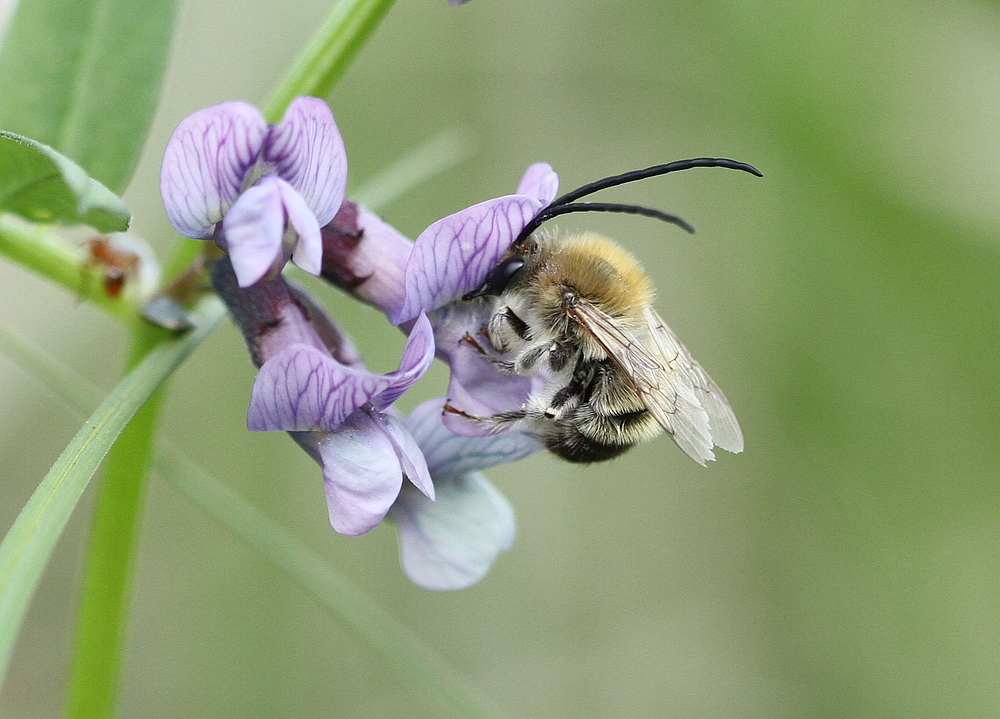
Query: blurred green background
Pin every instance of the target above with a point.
(846, 565)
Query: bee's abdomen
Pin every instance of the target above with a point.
(572, 445)
(587, 436)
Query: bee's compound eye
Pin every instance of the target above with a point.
(497, 280)
(501, 275)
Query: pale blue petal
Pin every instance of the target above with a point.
(253, 230)
(410, 457)
(451, 543)
(449, 454)
(454, 255)
(308, 252)
(361, 473)
(205, 163)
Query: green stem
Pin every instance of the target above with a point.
(39, 248)
(326, 58)
(101, 625)
(103, 610)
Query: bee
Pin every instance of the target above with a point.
(577, 311)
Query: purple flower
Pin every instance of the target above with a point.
(261, 191)
(452, 257)
(312, 384)
(452, 542)
(338, 413)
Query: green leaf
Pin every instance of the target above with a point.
(39, 184)
(29, 543)
(84, 76)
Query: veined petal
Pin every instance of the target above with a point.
(361, 473)
(411, 458)
(307, 151)
(308, 252)
(540, 181)
(302, 388)
(454, 255)
(417, 357)
(451, 543)
(253, 229)
(205, 162)
(449, 455)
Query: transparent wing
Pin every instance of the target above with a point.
(666, 388)
(725, 430)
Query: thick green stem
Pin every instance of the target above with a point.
(104, 601)
(329, 53)
(39, 248)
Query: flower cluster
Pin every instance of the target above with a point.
(260, 191)
(266, 194)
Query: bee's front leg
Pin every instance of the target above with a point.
(506, 328)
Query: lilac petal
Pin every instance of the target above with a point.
(205, 163)
(253, 230)
(302, 388)
(307, 151)
(539, 181)
(417, 357)
(454, 255)
(451, 543)
(449, 455)
(308, 253)
(411, 458)
(361, 473)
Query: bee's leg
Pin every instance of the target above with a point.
(496, 421)
(569, 396)
(559, 357)
(506, 327)
(527, 359)
(504, 366)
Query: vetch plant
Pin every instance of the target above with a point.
(551, 341)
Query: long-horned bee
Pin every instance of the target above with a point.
(577, 310)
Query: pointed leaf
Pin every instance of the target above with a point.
(39, 184)
(28, 545)
(84, 76)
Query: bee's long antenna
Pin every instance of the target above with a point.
(653, 171)
(555, 210)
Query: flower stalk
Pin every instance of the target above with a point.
(104, 601)
(324, 61)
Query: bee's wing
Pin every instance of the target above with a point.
(726, 432)
(665, 387)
